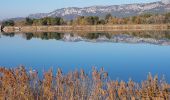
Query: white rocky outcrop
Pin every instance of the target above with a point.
(165, 1)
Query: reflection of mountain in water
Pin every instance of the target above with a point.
(159, 38)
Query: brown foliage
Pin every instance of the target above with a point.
(18, 84)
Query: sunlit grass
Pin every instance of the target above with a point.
(19, 84)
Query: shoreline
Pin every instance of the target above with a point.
(88, 28)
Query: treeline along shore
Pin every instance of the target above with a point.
(89, 23)
(91, 28)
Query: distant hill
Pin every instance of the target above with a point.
(116, 10)
(14, 19)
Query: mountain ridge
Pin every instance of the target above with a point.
(124, 10)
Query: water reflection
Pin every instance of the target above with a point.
(40, 51)
(151, 37)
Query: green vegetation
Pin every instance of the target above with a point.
(90, 20)
(94, 20)
(44, 21)
(8, 23)
(20, 84)
(28, 21)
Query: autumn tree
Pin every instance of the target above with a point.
(101, 21)
(167, 18)
(108, 17)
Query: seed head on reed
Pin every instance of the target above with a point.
(18, 84)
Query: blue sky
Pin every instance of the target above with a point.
(17, 8)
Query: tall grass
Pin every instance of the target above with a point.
(19, 84)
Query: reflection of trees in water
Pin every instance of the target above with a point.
(44, 36)
(97, 35)
(29, 36)
(58, 36)
(151, 34)
(93, 35)
(8, 34)
(140, 34)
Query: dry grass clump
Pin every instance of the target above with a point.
(15, 84)
(19, 84)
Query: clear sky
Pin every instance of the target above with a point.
(19, 8)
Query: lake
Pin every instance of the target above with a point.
(123, 55)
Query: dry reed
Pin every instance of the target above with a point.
(19, 84)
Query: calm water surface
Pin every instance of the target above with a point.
(121, 58)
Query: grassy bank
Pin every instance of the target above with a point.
(19, 84)
(92, 28)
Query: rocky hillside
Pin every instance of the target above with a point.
(116, 10)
